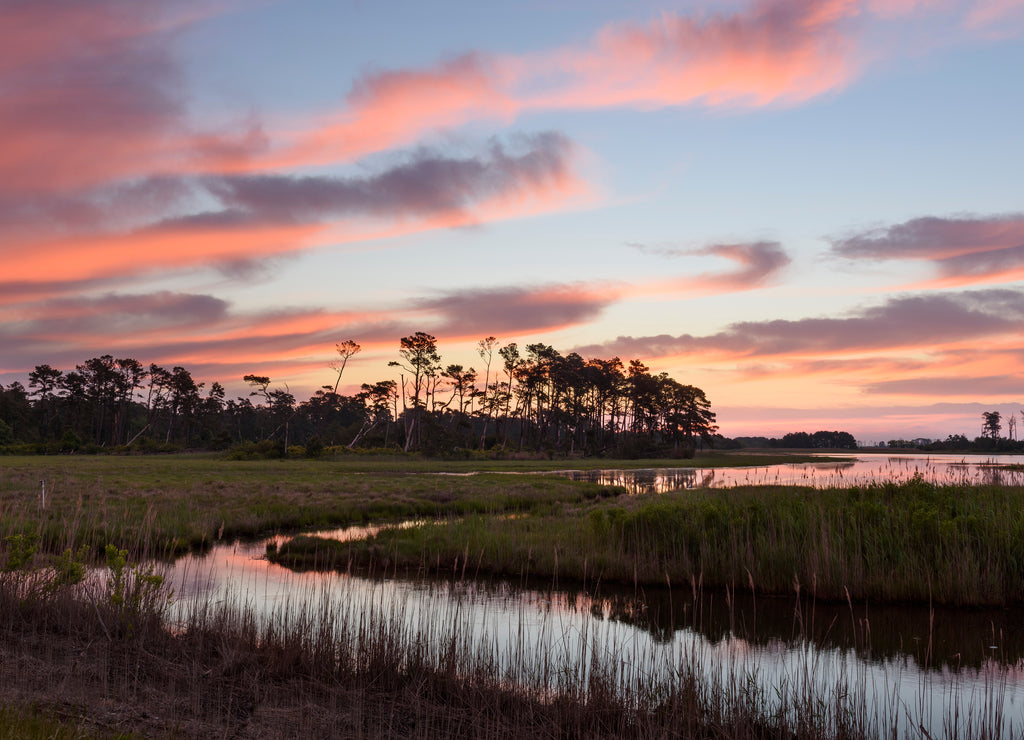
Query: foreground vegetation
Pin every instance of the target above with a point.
(28, 723)
(115, 659)
(112, 659)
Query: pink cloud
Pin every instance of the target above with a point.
(393, 108)
(782, 51)
(987, 13)
(91, 94)
(770, 52)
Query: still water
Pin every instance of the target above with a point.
(855, 469)
(909, 667)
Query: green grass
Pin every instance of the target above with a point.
(175, 503)
(21, 723)
(909, 542)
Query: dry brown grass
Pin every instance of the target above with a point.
(317, 672)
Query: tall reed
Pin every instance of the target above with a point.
(323, 662)
(907, 542)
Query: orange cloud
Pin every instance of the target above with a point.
(388, 109)
(202, 333)
(75, 259)
(269, 215)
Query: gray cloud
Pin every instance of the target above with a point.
(513, 310)
(983, 264)
(934, 238)
(426, 183)
(756, 263)
(100, 209)
(114, 313)
(904, 322)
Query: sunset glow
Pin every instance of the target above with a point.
(812, 210)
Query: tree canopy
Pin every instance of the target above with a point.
(535, 399)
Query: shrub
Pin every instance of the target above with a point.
(314, 446)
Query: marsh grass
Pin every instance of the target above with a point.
(323, 667)
(323, 662)
(907, 542)
(162, 506)
(326, 666)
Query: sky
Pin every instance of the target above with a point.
(814, 211)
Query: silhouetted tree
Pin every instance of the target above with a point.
(546, 401)
(45, 382)
(485, 348)
(421, 360)
(992, 426)
(345, 350)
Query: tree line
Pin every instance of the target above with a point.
(821, 440)
(991, 438)
(532, 398)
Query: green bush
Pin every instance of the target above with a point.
(314, 446)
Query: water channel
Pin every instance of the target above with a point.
(911, 666)
(851, 469)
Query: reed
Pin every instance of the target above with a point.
(907, 542)
(327, 665)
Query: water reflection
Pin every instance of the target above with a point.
(931, 638)
(860, 469)
(931, 660)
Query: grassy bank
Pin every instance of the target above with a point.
(909, 542)
(171, 505)
(176, 503)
